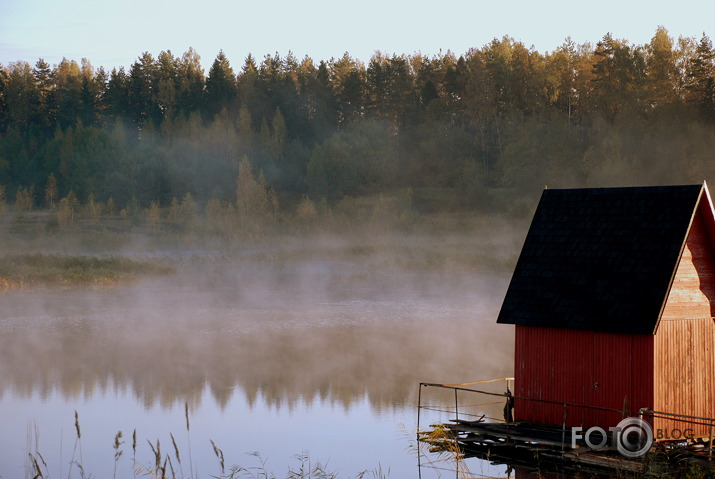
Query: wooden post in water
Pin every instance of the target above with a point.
(419, 406)
(456, 406)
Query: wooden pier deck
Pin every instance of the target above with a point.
(548, 448)
(545, 447)
(519, 444)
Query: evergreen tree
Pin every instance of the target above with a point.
(701, 78)
(378, 77)
(167, 85)
(43, 79)
(51, 191)
(142, 91)
(116, 95)
(351, 98)
(67, 94)
(252, 201)
(190, 82)
(401, 91)
(91, 89)
(4, 117)
(661, 69)
(21, 96)
(618, 77)
(221, 87)
(498, 117)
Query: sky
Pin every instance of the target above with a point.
(115, 33)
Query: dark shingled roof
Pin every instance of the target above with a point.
(600, 259)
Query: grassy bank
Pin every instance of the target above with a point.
(32, 270)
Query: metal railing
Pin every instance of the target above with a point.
(508, 396)
(456, 388)
(685, 420)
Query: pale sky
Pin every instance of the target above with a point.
(115, 33)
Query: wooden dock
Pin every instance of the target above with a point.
(526, 443)
(549, 448)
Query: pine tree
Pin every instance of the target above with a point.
(43, 78)
(221, 87)
(21, 96)
(660, 65)
(252, 200)
(701, 78)
(190, 82)
(142, 91)
(51, 191)
(116, 95)
(167, 85)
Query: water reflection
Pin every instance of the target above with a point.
(334, 372)
(163, 348)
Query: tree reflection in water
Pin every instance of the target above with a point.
(268, 339)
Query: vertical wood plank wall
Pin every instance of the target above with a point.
(692, 294)
(581, 367)
(685, 340)
(684, 371)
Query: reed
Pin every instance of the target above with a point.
(219, 456)
(309, 469)
(134, 450)
(37, 470)
(177, 454)
(157, 454)
(162, 464)
(188, 436)
(117, 452)
(77, 445)
(441, 442)
(32, 466)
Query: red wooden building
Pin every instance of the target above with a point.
(613, 299)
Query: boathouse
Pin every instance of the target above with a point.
(613, 299)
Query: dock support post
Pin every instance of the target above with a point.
(710, 446)
(419, 450)
(419, 407)
(456, 406)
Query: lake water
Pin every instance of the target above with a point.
(279, 364)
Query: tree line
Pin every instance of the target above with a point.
(482, 126)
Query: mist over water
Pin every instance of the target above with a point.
(308, 346)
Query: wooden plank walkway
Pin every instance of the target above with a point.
(517, 432)
(534, 445)
(518, 442)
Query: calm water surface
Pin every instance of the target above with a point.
(316, 360)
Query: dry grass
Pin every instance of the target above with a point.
(162, 466)
(32, 270)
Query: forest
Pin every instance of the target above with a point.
(479, 131)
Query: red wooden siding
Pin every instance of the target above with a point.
(581, 367)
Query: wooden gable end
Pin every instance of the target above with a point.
(684, 362)
(692, 294)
